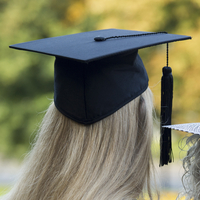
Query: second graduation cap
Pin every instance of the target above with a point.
(193, 128)
(98, 72)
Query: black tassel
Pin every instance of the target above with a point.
(166, 112)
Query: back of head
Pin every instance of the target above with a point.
(191, 165)
(109, 159)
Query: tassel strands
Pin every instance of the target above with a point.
(166, 112)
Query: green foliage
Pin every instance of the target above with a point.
(27, 78)
(4, 190)
(180, 16)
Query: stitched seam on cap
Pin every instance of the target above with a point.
(84, 86)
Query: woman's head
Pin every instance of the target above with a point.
(191, 165)
(191, 162)
(109, 159)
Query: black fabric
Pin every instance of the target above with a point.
(90, 92)
(166, 113)
(82, 46)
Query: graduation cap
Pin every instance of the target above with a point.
(193, 128)
(98, 72)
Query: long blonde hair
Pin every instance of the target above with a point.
(191, 165)
(110, 159)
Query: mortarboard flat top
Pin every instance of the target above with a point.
(82, 46)
(188, 127)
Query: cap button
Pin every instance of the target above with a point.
(99, 38)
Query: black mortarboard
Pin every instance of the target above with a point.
(98, 72)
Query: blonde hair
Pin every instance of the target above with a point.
(191, 165)
(110, 159)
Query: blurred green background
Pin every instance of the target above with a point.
(26, 79)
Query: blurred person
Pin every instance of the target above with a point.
(191, 162)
